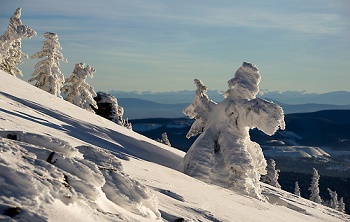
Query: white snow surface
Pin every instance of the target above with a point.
(295, 151)
(100, 171)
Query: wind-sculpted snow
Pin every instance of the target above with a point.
(59, 162)
(40, 168)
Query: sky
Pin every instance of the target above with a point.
(157, 45)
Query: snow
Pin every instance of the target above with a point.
(100, 171)
(140, 127)
(295, 151)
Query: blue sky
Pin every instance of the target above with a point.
(160, 45)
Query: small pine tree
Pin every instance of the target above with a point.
(314, 187)
(334, 199)
(297, 189)
(78, 91)
(341, 205)
(164, 139)
(10, 44)
(47, 75)
(272, 174)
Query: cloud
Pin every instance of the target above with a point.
(197, 13)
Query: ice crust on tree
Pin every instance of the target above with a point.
(78, 91)
(10, 44)
(224, 154)
(314, 187)
(108, 108)
(271, 177)
(47, 75)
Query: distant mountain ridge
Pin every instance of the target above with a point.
(141, 109)
(303, 97)
(286, 97)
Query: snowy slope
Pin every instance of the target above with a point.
(61, 163)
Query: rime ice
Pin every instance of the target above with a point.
(78, 91)
(47, 74)
(10, 44)
(224, 154)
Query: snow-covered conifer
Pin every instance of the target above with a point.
(272, 174)
(224, 154)
(108, 108)
(333, 203)
(297, 189)
(341, 205)
(10, 44)
(164, 139)
(78, 91)
(314, 187)
(47, 75)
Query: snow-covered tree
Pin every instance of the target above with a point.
(10, 44)
(108, 108)
(297, 189)
(224, 154)
(314, 187)
(272, 174)
(164, 139)
(341, 205)
(333, 203)
(78, 91)
(47, 75)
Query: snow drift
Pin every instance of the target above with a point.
(60, 162)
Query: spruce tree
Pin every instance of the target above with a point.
(334, 199)
(272, 174)
(10, 44)
(164, 139)
(341, 205)
(223, 154)
(297, 189)
(314, 187)
(47, 75)
(78, 91)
